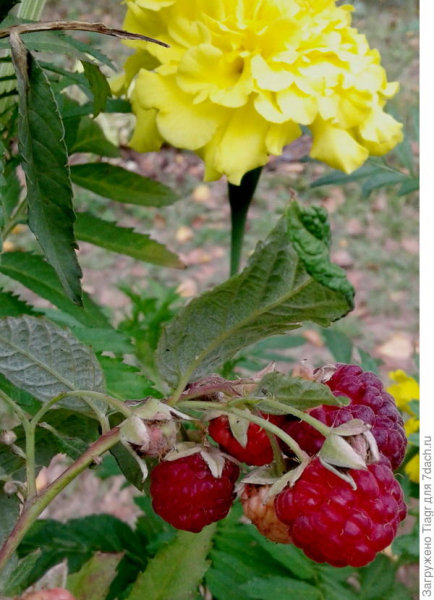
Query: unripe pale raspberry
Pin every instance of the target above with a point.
(263, 514)
(369, 402)
(54, 594)
(186, 494)
(333, 523)
(258, 450)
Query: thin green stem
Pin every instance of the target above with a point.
(87, 396)
(277, 453)
(14, 406)
(177, 393)
(116, 404)
(264, 423)
(240, 197)
(30, 460)
(318, 425)
(30, 428)
(34, 508)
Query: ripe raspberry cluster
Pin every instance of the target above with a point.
(320, 513)
(369, 402)
(333, 523)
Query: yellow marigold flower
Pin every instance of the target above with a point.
(404, 390)
(241, 76)
(412, 468)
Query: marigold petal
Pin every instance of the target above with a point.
(146, 137)
(279, 136)
(242, 146)
(179, 121)
(266, 105)
(336, 147)
(204, 68)
(353, 109)
(270, 77)
(380, 132)
(297, 106)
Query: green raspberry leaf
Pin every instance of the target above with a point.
(289, 279)
(295, 392)
(177, 569)
(46, 360)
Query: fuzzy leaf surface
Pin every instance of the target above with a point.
(289, 279)
(294, 391)
(121, 185)
(46, 361)
(177, 569)
(124, 240)
(45, 163)
(125, 381)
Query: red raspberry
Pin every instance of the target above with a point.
(186, 495)
(263, 514)
(258, 450)
(369, 402)
(333, 523)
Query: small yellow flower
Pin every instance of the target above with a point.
(411, 426)
(412, 468)
(241, 76)
(404, 390)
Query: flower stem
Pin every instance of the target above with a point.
(240, 197)
(34, 508)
